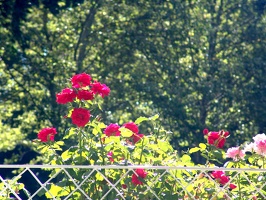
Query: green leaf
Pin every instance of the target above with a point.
(153, 118)
(186, 158)
(141, 119)
(202, 146)
(229, 164)
(65, 155)
(164, 145)
(69, 133)
(125, 132)
(54, 191)
(99, 177)
(95, 131)
(60, 143)
(101, 125)
(193, 150)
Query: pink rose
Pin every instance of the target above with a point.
(235, 153)
(260, 147)
(110, 156)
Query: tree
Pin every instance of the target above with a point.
(186, 60)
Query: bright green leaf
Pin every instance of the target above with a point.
(141, 119)
(153, 118)
(125, 132)
(54, 191)
(186, 158)
(193, 150)
(99, 177)
(202, 146)
(65, 155)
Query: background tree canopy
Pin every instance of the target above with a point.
(197, 63)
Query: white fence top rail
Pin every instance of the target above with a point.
(132, 167)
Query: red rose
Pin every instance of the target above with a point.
(217, 174)
(80, 116)
(112, 130)
(47, 134)
(225, 134)
(136, 137)
(205, 131)
(85, 95)
(67, 95)
(124, 186)
(139, 173)
(132, 126)
(105, 91)
(100, 89)
(216, 139)
(232, 186)
(81, 80)
(223, 180)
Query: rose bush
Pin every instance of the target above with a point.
(128, 145)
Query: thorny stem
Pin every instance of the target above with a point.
(102, 152)
(80, 146)
(142, 147)
(238, 184)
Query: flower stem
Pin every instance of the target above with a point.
(142, 147)
(80, 146)
(102, 151)
(238, 183)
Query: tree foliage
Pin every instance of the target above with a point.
(196, 63)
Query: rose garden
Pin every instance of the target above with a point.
(123, 161)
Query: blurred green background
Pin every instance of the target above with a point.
(197, 63)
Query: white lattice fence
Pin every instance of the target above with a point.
(115, 182)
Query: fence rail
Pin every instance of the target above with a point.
(61, 182)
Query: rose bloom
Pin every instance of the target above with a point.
(47, 134)
(260, 147)
(112, 130)
(249, 147)
(66, 96)
(222, 178)
(217, 174)
(259, 137)
(100, 89)
(235, 153)
(124, 186)
(80, 116)
(132, 126)
(136, 137)
(232, 186)
(216, 139)
(85, 95)
(140, 173)
(81, 80)
(205, 131)
(110, 156)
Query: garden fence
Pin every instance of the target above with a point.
(29, 176)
